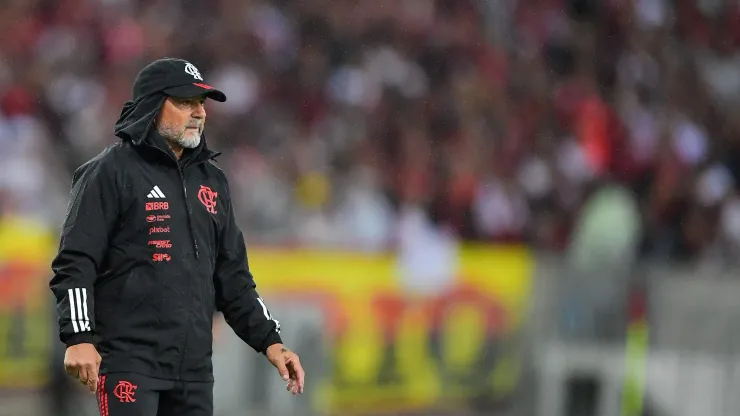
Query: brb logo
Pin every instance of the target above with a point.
(159, 257)
(157, 206)
(125, 391)
(207, 197)
(190, 69)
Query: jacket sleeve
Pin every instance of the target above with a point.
(91, 215)
(236, 295)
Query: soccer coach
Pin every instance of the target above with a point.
(149, 251)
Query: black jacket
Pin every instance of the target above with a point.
(149, 251)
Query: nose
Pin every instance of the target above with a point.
(199, 111)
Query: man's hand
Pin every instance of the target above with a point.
(288, 366)
(82, 362)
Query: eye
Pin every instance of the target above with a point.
(189, 102)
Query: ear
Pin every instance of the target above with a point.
(162, 110)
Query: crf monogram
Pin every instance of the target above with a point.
(208, 198)
(192, 70)
(125, 391)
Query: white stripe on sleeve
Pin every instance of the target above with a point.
(78, 298)
(268, 315)
(72, 309)
(84, 304)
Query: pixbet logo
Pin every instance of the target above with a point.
(157, 206)
(161, 243)
(156, 230)
(159, 257)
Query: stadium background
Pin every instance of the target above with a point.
(455, 207)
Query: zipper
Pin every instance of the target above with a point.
(189, 214)
(189, 211)
(184, 350)
(185, 196)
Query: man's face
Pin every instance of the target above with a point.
(181, 121)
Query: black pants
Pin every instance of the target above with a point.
(126, 394)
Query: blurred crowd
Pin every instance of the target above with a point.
(358, 123)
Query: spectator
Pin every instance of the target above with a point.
(492, 123)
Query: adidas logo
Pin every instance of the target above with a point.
(156, 193)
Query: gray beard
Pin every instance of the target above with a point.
(180, 138)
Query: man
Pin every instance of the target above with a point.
(150, 251)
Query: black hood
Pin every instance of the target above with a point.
(137, 124)
(138, 117)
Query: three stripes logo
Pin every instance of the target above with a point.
(156, 193)
(268, 315)
(78, 309)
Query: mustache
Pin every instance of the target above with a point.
(195, 124)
